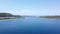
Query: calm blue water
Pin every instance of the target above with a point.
(30, 25)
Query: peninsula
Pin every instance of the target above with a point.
(4, 16)
(57, 16)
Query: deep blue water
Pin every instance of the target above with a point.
(30, 25)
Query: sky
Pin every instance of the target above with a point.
(31, 7)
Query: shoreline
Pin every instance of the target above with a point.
(5, 18)
(49, 16)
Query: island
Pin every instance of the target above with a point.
(4, 16)
(57, 16)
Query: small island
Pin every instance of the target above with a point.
(4, 16)
(57, 16)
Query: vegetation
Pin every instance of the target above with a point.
(5, 15)
(8, 16)
(50, 16)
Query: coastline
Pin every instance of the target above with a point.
(49, 16)
(5, 18)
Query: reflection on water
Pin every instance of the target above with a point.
(30, 25)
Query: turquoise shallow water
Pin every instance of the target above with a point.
(30, 25)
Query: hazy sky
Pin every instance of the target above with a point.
(31, 7)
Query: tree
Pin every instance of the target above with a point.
(5, 15)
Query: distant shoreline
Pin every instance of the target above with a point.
(5, 18)
(49, 16)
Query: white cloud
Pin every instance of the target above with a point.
(34, 12)
(21, 12)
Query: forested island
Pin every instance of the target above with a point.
(57, 16)
(8, 16)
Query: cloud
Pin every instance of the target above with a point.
(26, 12)
(21, 12)
(34, 12)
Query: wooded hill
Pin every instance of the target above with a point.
(8, 15)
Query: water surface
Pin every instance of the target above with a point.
(30, 25)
